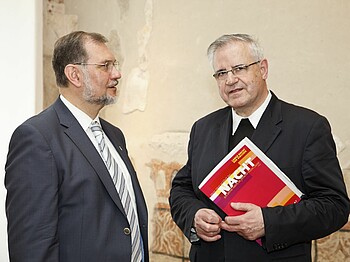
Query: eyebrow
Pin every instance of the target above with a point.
(238, 65)
(222, 70)
(108, 60)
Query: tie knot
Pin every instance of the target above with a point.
(95, 126)
(96, 129)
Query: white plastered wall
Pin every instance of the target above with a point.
(21, 80)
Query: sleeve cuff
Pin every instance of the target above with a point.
(193, 235)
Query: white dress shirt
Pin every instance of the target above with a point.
(253, 118)
(85, 121)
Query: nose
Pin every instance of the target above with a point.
(115, 73)
(231, 78)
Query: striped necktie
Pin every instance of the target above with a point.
(119, 182)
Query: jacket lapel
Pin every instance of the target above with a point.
(83, 143)
(221, 134)
(268, 128)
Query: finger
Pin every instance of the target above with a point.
(212, 217)
(209, 228)
(242, 206)
(206, 216)
(226, 226)
(247, 233)
(209, 232)
(234, 220)
(209, 238)
(229, 227)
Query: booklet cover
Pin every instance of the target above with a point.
(247, 175)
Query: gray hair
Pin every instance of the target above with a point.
(70, 49)
(224, 40)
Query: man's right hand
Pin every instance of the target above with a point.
(207, 224)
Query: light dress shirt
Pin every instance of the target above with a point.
(253, 118)
(85, 121)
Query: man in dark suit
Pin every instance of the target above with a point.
(298, 140)
(72, 192)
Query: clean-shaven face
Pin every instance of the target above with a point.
(246, 92)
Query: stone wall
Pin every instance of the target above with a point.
(56, 24)
(166, 83)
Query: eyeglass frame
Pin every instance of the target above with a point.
(107, 64)
(233, 69)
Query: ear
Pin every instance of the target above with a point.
(264, 68)
(73, 74)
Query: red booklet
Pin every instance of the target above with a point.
(247, 175)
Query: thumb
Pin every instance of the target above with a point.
(242, 206)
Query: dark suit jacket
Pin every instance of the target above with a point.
(299, 141)
(61, 203)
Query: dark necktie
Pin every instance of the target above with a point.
(245, 129)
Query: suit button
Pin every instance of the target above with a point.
(127, 231)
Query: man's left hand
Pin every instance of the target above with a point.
(250, 225)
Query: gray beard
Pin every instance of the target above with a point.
(101, 100)
(89, 97)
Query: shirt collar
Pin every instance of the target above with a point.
(83, 119)
(253, 118)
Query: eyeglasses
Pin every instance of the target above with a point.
(238, 70)
(107, 66)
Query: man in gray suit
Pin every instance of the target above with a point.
(72, 192)
(298, 141)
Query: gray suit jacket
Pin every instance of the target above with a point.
(61, 203)
(299, 142)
